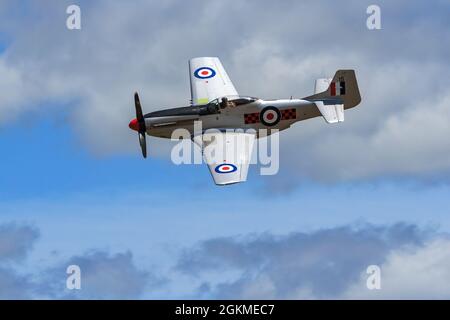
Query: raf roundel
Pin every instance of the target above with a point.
(270, 116)
(204, 73)
(226, 168)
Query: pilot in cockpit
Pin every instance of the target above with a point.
(217, 105)
(225, 103)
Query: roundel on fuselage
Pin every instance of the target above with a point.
(270, 116)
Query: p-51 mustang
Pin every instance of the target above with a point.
(218, 105)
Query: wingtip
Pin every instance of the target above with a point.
(196, 58)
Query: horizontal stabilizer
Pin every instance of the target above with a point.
(342, 88)
(322, 85)
(332, 113)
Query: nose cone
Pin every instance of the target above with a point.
(134, 125)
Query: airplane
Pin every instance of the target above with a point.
(216, 103)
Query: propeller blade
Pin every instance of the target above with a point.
(143, 144)
(137, 103)
(141, 121)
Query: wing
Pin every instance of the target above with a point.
(227, 154)
(209, 80)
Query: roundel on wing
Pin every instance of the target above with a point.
(204, 73)
(270, 116)
(225, 168)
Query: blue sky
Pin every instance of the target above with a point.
(73, 176)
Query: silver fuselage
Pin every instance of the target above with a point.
(232, 117)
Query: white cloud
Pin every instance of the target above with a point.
(422, 273)
(16, 241)
(103, 276)
(411, 142)
(14, 286)
(323, 264)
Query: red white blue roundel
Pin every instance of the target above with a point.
(270, 116)
(204, 73)
(226, 168)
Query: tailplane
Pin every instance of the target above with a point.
(342, 87)
(333, 96)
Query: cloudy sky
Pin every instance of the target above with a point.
(74, 189)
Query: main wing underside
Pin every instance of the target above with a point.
(227, 154)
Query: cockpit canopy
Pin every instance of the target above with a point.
(212, 107)
(216, 105)
(236, 100)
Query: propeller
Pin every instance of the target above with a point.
(141, 125)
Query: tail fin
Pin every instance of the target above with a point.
(343, 87)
